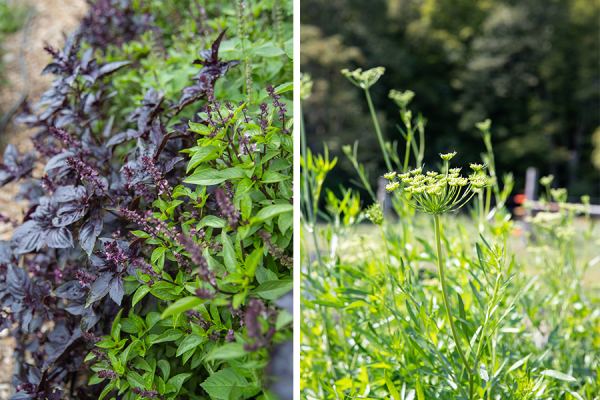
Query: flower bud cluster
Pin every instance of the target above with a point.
(280, 106)
(227, 208)
(161, 183)
(149, 394)
(84, 278)
(275, 251)
(108, 374)
(87, 172)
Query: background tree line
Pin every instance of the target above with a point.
(531, 66)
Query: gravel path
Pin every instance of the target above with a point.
(52, 21)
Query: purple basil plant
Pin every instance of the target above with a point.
(61, 275)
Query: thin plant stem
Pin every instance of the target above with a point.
(436, 217)
(388, 164)
(407, 153)
(387, 252)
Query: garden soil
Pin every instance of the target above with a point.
(52, 21)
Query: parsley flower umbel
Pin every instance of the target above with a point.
(364, 79)
(436, 193)
(390, 175)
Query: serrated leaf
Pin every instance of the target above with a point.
(165, 367)
(136, 380)
(212, 177)
(227, 351)
(272, 177)
(272, 290)
(269, 51)
(252, 262)
(205, 153)
(139, 294)
(151, 319)
(283, 319)
(220, 384)
(212, 221)
(189, 342)
(169, 336)
(284, 87)
(270, 212)
(178, 380)
(182, 305)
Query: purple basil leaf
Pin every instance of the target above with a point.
(51, 68)
(6, 255)
(64, 119)
(68, 193)
(77, 307)
(71, 40)
(116, 289)
(68, 214)
(71, 290)
(28, 237)
(89, 321)
(26, 318)
(98, 260)
(59, 238)
(18, 282)
(156, 134)
(99, 289)
(112, 67)
(89, 232)
(169, 164)
(87, 57)
(54, 352)
(11, 157)
(58, 160)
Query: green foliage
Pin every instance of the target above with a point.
(444, 307)
(530, 66)
(201, 322)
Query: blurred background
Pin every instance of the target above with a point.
(531, 66)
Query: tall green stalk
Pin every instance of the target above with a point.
(388, 164)
(436, 218)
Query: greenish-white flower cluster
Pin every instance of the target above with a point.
(402, 98)
(306, 85)
(434, 192)
(375, 214)
(364, 79)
